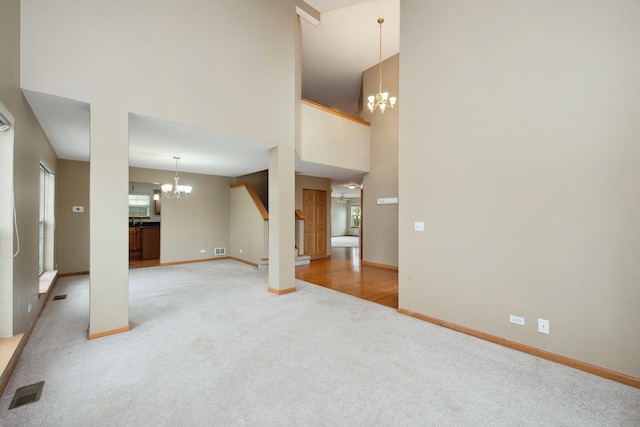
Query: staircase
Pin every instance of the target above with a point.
(300, 260)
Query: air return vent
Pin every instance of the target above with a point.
(220, 251)
(27, 394)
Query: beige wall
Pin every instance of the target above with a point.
(247, 227)
(199, 222)
(329, 139)
(339, 216)
(187, 226)
(380, 222)
(259, 181)
(519, 130)
(179, 56)
(304, 182)
(31, 147)
(72, 183)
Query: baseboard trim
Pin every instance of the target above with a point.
(75, 273)
(191, 261)
(543, 354)
(13, 362)
(385, 266)
(244, 261)
(281, 291)
(108, 332)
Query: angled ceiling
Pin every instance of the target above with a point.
(334, 55)
(346, 43)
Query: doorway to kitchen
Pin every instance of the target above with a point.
(144, 224)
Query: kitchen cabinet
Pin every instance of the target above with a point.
(150, 237)
(134, 239)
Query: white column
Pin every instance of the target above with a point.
(108, 213)
(282, 220)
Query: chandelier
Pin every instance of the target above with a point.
(180, 191)
(342, 199)
(382, 100)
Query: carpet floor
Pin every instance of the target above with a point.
(210, 346)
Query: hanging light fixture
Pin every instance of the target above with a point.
(342, 199)
(180, 191)
(382, 100)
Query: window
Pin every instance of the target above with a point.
(139, 205)
(356, 216)
(46, 220)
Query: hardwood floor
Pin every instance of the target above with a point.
(140, 263)
(344, 273)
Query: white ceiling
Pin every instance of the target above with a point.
(334, 55)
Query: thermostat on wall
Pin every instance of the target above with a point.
(77, 209)
(387, 201)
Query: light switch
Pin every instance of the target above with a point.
(418, 226)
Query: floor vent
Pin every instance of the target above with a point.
(60, 297)
(27, 394)
(220, 251)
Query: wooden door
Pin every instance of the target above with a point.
(314, 206)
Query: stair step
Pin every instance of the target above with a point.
(300, 260)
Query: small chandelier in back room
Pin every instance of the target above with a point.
(180, 191)
(382, 100)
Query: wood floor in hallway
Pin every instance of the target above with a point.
(344, 273)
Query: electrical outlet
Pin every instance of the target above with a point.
(240, 250)
(516, 319)
(418, 226)
(543, 326)
(202, 251)
(29, 308)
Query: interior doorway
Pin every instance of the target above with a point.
(314, 206)
(346, 222)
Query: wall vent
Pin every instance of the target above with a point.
(27, 394)
(220, 251)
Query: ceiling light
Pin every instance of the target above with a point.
(382, 100)
(352, 186)
(180, 191)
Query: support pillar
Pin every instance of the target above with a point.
(282, 271)
(108, 213)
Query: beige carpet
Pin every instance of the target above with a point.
(209, 346)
